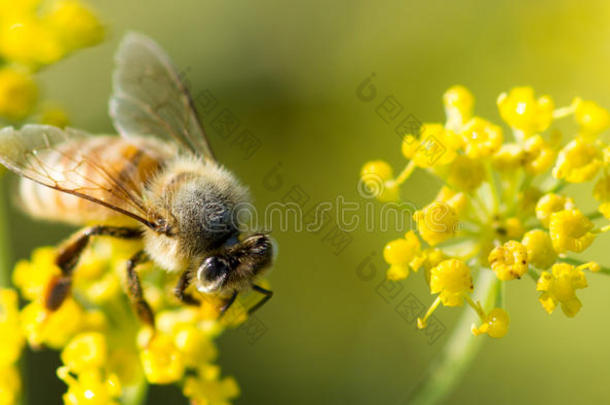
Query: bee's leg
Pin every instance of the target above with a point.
(267, 296)
(228, 303)
(67, 259)
(134, 288)
(180, 290)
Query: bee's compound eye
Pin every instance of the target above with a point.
(211, 274)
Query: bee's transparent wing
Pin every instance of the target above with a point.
(149, 97)
(50, 156)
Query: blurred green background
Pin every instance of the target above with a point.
(289, 72)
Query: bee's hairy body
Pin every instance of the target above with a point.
(198, 196)
(158, 182)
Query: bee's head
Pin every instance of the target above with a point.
(235, 264)
(212, 274)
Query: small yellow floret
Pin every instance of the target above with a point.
(540, 252)
(451, 279)
(85, 351)
(90, 387)
(495, 324)
(510, 156)
(570, 230)
(559, 287)
(75, 25)
(465, 173)
(377, 177)
(436, 146)
(399, 253)
(481, 138)
(522, 111)
(578, 161)
(550, 203)
(509, 261)
(18, 94)
(208, 388)
(161, 361)
(459, 103)
(591, 117)
(538, 155)
(436, 222)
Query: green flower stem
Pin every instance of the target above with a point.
(6, 261)
(459, 351)
(594, 215)
(136, 394)
(5, 248)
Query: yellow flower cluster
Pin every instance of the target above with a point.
(108, 355)
(503, 206)
(11, 343)
(34, 34)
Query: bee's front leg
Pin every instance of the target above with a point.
(67, 259)
(180, 290)
(136, 294)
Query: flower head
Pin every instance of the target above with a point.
(103, 350)
(33, 35)
(502, 204)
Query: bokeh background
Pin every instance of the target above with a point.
(289, 72)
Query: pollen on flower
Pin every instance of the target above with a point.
(509, 261)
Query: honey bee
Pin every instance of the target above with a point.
(157, 182)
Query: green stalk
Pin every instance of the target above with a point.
(5, 245)
(457, 355)
(136, 394)
(6, 262)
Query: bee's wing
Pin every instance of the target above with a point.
(37, 152)
(149, 97)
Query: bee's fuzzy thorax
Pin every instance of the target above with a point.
(200, 198)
